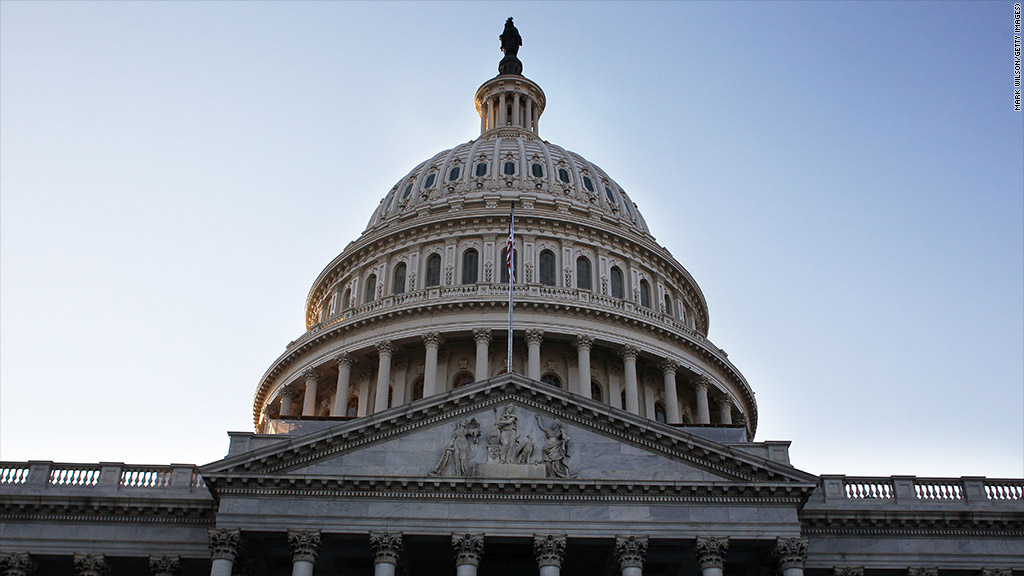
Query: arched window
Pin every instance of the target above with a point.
(583, 281)
(645, 294)
(391, 395)
(552, 380)
(417, 389)
(371, 288)
(510, 168)
(659, 412)
(398, 279)
(462, 378)
(352, 408)
(408, 191)
(501, 264)
(547, 268)
(429, 181)
(481, 169)
(622, 399)
(434, 270)
(346, 299)
(588, 184)
(470, 259)
(616, 283)
(563, 175)
(538, 170)
(595, 391)
(454, 174)
(668, 304)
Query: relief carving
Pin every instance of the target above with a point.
(556, 450)
(507, 447)
(460, 450)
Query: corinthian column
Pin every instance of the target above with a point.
(629, 354)
(287, 394)
(384, 351)
(16, 564)
(725, 410)
(468, 548)
(549, 550)
(710, 554)
(482, 336)
(668, 368)
(224, 546)
(631, 552)
(340, 407)
(309, 400)
(386, 549)
(534, 338)
(583, 345)
(305, 547)
(91, 565)
(703, 412)
(432, 340)
(164, 565)
(791, 553)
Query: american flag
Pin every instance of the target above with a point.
(510, 248)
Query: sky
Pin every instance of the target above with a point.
(845, 182)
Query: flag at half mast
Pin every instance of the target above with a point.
(510, 266)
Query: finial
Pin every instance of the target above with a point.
(510, 43)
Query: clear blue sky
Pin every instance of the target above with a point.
(845, 181)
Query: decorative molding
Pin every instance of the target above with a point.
(549, 550)
(468, 549)
(630, 551)
(304, 544)
(711, 551)
(386, 547)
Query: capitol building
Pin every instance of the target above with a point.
(456, 409)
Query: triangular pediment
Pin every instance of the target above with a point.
(507, 429)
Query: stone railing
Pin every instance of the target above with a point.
(850, 491)
(45, 475)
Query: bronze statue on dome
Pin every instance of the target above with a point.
(510, 39)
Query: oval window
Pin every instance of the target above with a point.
(510, 168)
(408, 190)
(538, 171)
(454, 174)
(563, 175)
(481, 169)
(611, 195)
(588, 183)
(429, 182)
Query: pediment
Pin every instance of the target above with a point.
(507, 429)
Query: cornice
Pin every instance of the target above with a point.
(121, 510)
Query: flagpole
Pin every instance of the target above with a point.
(510, 262)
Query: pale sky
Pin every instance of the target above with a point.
(845, 181)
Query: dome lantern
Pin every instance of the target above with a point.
(509, 99)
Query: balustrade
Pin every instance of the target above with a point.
(934, 489)
(99, 475)
(865, 488)
(148, 477)
(13, 473)
(75, 474)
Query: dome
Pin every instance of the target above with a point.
(420, 303)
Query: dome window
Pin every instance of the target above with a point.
(551, 380)
(563, 175)
(429, 182)
(595, 391)
(434, 270)
(645, 294)
(616, 283)
(626, 203)
(481, 169)
(538, 170)
(352, 408)
(454, 174)
(398, 280)
(408, 190)
(417, 389)
(346, 298)
(470, 261)
(462, 379)
(510, 168)
(611, 195)
(504, 269)
(371, 288)
(588, 183)
(583, 274)
(668, 304)
(659, 412)
(547, 268)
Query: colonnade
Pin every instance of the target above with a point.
(482, 338)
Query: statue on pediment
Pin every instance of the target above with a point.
(460, 450)
(556, 450)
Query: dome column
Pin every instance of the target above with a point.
(482, 337)
(502, 112)
(344, 361)
(583, 345)
(710, 554)
(668, 368)
(534, 338)
(515, 110)
(287, 395)
(468, 548)
(432, 340)
(703, 412)
(790, 554)
(224, 546)
(386, 550)
(549, 550)
(384, 350)
(631, 551)
(305, 547)
(725, 410)
(629, 354)
(309, 399)
(529, 115)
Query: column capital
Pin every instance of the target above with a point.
(711, 552)
(91, 565)
(483, 335)
(310, 374)
(16, 564)
(344, 358)
(400, 362)
(918, 571)
(224, 543)
(791, 552)
(288, 391)
(305, 545)
(385, 347)
(534, 336)
(468, 548)
(629, 352)
(433, 339)
(852, 571)
(668, 366)
(549, 550)
(723, 402)
(631, 551)
(702, 381)
(583, 342)
(165, 565)
(984, 572)
(386, 547)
